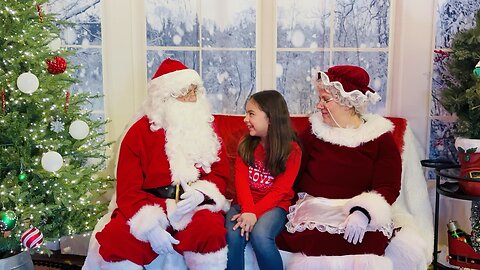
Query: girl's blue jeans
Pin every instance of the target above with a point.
(262, 239)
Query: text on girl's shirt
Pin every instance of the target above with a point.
(259, 177)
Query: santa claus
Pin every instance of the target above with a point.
(171, 180)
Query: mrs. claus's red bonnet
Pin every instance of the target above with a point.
(351, 83)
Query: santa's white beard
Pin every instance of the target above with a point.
(191, 140)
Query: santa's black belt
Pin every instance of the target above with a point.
(165, 192)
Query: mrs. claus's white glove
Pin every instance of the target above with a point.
(355, 227)
(161, 241)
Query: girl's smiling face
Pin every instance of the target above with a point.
(256, 120)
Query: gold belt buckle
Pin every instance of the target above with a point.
(177, 193)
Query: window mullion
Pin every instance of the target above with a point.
(266, 44)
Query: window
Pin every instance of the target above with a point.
(85, 38)
(314, 35)
(215, 37)
(223, 40)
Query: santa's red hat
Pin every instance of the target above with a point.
(173, 79)
(351, 83)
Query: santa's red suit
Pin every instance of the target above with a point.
(172, 144)
(143, 164)
(343, 169)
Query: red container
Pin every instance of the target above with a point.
(462, 254)
(470, 167)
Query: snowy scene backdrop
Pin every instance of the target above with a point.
(219, 39)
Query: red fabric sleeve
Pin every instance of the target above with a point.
(388, 169)
(130, 196)
(282, 185)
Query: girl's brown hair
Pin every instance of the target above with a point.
(280, 133)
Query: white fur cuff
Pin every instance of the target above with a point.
(212, 191)
(377, 207)
(148, 217)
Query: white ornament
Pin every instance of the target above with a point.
(79, 129)
(55, 44)
(57, 126)
(52, 161)
(27, 83)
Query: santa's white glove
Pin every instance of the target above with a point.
(190, 199)
(355, 227)
(175, 217)
(161, 241)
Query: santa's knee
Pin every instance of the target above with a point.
(214, 239)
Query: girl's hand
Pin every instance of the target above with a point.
(246, 221)
(235, 217)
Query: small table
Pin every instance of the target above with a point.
(449, 187)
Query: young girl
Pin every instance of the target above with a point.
(266, 166)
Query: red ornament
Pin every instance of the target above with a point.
(32, 238)
(56, 65)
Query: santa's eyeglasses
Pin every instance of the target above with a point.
(192, 90)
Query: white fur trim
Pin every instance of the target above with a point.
(378, 208)
(407, 250)
(212, 191)
(173, 83)
(148, 217)
(300, 261)
(209, 261)
(413, 207)
(373, 128)
(177, 224)
(121, 265)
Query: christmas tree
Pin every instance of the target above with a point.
(51, 152)
(461, 94)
